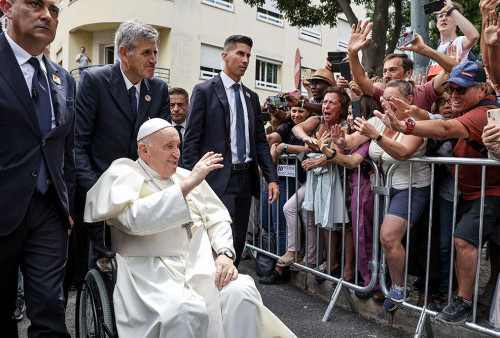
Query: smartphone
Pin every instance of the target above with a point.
(335, 58)
(277, 101)
(493, 116)
(356, 109)
(406, 39)
(345, 71)
(432, 7)
(266, 116)
(307, 73)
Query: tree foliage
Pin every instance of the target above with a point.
(390, 17)
(306, 13)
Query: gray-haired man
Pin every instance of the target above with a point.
(113, 101)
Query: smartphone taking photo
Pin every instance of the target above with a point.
(356, 109)
(432, 7)
(345, 71)
(277, 101)
(335, 58)
(406, 39)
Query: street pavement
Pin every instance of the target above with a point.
(300, 311)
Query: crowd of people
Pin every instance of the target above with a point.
(440, 114)
(174, 177)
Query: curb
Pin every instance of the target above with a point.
(401, 318)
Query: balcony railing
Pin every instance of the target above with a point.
(160, 72)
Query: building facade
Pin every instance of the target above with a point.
(192, 34)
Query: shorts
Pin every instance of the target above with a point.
(399, 203)
(468, 219)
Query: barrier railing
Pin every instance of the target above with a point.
(160, 72)
(341, 283)
(424, 311)
(377, 266)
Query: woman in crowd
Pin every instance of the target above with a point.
(283, 141)
(388, 147)
(356, 157)
(324, 193)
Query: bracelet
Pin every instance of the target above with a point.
(450, 10)
(345, 145)
(302, 104)
(378, 138)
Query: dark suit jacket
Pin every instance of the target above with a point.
(23, 147)
(105, 129)
(208, 129)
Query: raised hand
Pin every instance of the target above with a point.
(419, 80)
(342, 82)
(416, 46)
(451, 51)
(338, 135)
(365, 128)
(355, 88)
(359, 36)
(486, 6)
(492, 29)
(491, 138)
(311, 142)
(447, 5)
(323, 141)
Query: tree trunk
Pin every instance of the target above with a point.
(398, 23)
(374, 52)
(349, 13)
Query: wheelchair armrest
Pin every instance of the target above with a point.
(103, 252)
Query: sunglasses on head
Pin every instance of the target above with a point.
(459, 90)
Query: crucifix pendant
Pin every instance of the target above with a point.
(188, 226)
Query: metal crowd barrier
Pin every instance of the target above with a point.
(377, 265)
(425, 313)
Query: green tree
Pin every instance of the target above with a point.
(387, 16)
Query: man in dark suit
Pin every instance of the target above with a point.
(225, 117)
(37, 169)
(179, 107)
(112, 102)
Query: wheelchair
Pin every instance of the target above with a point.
(94, 313)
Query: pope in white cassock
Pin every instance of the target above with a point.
(173, 240)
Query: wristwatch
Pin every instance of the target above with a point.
(410, 125)
(285, 148)
(226, 253)
(333, 155)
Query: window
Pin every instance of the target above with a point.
(222, 4)
(210, 61)
(343, 34)
(109, 54)
(268, 74)
(270, 14)
(308, 72)
(311, 34)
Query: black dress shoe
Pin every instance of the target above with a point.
(274, 278)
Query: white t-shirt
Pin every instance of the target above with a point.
(401, 176)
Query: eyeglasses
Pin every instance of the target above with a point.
(445, 101)
(459, 90)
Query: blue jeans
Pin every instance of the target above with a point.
(278, 228)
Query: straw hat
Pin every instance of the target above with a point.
(324, 75)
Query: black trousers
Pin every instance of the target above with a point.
(39, 246)
(238, 198)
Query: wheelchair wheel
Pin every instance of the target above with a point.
(94, 313)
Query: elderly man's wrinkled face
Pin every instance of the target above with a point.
(162, 154)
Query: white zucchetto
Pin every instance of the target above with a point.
(152, 126)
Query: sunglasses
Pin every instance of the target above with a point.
(459, 90)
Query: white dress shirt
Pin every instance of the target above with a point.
(228, 83)
(129, 85)
(28, 70)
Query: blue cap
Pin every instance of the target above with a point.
(467, 73)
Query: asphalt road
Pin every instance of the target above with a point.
(300, 311)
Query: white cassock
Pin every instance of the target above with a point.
(166, 281)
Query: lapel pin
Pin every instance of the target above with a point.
(59, 86)
(56, 79)
(247, 94)
(148, 98)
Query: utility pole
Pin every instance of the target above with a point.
(420, 22)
